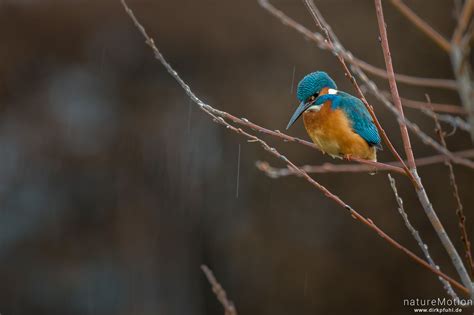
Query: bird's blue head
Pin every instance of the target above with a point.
(308, 91)
(312, 84)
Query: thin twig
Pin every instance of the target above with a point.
(457, 198)
(468, 36)
(207, 109)
(393, 85)
(463, 21)
(420, 190)
(422, 25)
(417, 237)
(275, 172)
(404, 78)
(460, 61)
(417, 130)
(437, 107)
(425, 108)
(463, 73)
(455, 122)
(220, 293)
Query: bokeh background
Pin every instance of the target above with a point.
(114, 188)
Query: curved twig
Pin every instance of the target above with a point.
(275, 172)
(437, 107)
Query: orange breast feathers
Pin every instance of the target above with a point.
(332, 132)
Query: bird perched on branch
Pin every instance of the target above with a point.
(337, 122)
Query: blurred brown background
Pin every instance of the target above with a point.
(114, 188)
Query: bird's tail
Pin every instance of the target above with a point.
(373, 157)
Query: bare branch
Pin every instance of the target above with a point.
(220, 293)
(455, 122)
(393, 85)
(404, 78)
(437, 107)
(417, 130)
(463, 73)
(417, 237)
(463, 22)
(274, 172)
(422, 25)
(460, 61)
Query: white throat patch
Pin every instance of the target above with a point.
(315, 108)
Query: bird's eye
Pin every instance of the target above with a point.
(312, 98)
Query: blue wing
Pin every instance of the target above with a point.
(362, 122)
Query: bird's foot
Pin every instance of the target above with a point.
(347, 157)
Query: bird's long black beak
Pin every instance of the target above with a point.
(300, 110)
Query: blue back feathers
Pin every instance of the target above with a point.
(362, 122)
(313, 83)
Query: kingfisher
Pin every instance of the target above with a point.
(338, 123)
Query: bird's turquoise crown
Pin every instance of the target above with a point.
(312, 84)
